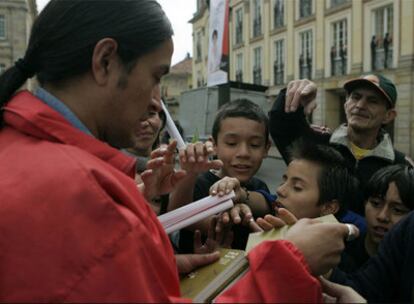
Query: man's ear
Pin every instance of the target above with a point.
(330, 207)
(390, 116)
(105, 60)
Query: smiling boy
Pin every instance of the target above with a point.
(241, 141)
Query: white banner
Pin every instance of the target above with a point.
(217, 63)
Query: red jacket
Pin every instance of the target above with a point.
(74, 227)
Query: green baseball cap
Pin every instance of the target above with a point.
(378, 82)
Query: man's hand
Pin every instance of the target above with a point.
(335, 293)
(160, 176)
(188, 262)
(215, 239)
(320, 243)
(301, 92)
(195, 158)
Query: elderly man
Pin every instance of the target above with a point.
(370, 105)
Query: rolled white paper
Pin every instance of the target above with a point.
(172, 129)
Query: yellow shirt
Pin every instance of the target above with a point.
(358, 152)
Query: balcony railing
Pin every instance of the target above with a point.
(278, 73)
(257, 75)
(382, 60)
(239, 76)
(257, 27)
(305, 68)
(239, 33)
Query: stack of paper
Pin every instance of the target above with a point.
(195, 212)
(205, 283)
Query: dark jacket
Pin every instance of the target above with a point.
(388, 276)
(285, 128)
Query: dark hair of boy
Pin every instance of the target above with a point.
(58, 55)
(240, 108)
(401, 175)
(335, 181)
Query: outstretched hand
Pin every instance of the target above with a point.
(222, 238)
(336, 293)
(283, 217)
(301, 92)
(188, 262)
(160, 176)
(195, 158)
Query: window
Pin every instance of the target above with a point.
(257, 68)
(199, 54)
(239, 26)
(305, 56)
(305, 8)
(381, 40)
(257, 19)
(278, 13)
(339, 51)
(200, 80)
(2, 27)
(279, 64)
(239, 67)
(337, 2)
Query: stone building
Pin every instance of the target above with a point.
(328, 41)
(16, 19)
(177, 81)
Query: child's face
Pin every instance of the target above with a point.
(382, 214)
(241, 146)
(299, 191)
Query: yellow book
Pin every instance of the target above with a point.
(205, 283)
(280, 233)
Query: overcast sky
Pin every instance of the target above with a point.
(179, 12)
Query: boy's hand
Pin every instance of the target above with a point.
(283, 217)
(239, 214)
(226, 185)
(223, 238)
(160, 176)
(301, 92)
(336, 293)
(195, 158)
(188, 262)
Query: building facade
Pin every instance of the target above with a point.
(328, 41)
(178, 80)
(16, 19)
